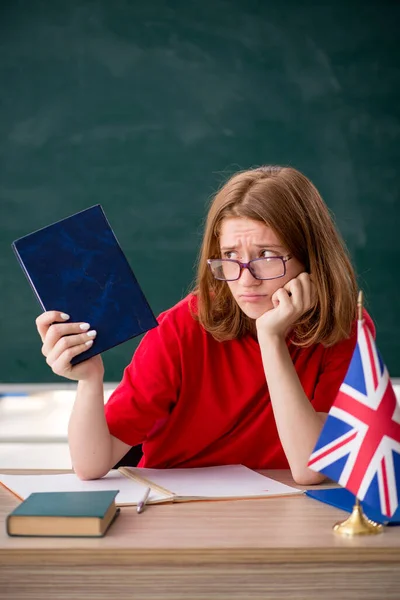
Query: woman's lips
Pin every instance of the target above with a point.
(252, 297)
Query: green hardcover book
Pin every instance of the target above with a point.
(64, 514)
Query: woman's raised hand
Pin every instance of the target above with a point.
(62, 341)
(290, 302)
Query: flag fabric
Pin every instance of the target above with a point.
(359, 446)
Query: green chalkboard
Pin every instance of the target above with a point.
(146, 107)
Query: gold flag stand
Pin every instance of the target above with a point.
(358, 523)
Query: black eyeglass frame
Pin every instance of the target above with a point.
(248, 266)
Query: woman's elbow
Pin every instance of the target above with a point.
(308, 477)
(86, 474)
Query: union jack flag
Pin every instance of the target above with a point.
(359, 446)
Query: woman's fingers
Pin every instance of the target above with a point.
(302, 291)
(62, 341)
(46, 319)
(281, 298)
(62, 364)
(66, 346)
(294, 287)
(290, 302)
(58, 331)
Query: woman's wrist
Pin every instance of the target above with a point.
(94, 383)
(270, 339)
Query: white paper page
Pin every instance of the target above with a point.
(130, 492)
(231, 481)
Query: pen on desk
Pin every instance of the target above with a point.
(142, 503)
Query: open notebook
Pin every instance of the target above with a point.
(167, 485)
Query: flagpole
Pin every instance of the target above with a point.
(358, 523)
(360, 306)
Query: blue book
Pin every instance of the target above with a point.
(65, 514)
(77, 266)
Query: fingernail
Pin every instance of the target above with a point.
(89, 343)
(92, 333)
(64, 316)
(84, 326)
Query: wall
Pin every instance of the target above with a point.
(147, 107)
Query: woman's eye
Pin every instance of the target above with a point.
(230, 254)
(267, 254)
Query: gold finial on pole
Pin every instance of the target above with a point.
(360, 300)
(358, 523)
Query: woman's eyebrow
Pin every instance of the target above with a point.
(269, 246)
(265, 246)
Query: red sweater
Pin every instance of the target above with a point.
(196, 402)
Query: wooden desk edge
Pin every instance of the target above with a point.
(124, 557)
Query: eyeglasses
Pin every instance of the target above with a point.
(227, 269)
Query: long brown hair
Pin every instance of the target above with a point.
(287, 201)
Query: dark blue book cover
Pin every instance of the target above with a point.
(77, 266)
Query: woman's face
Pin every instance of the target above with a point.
(244, 239)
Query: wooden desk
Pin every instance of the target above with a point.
(272, 548)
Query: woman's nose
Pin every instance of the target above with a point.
(247, 279)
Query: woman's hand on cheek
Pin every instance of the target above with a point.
(289, 302)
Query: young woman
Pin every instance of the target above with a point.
(245, 368)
